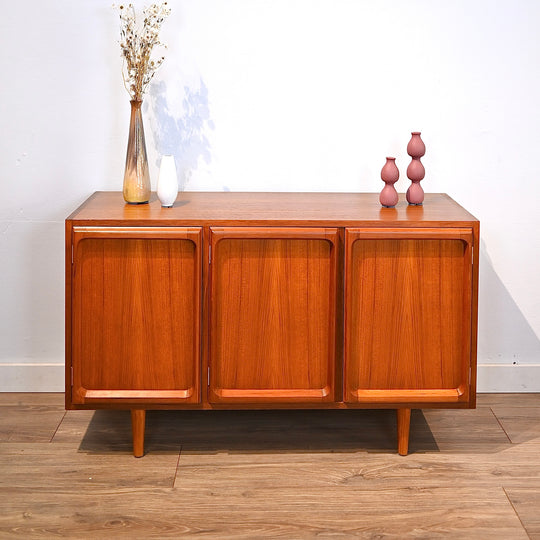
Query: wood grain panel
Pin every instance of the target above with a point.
(136, 315)
(408, 317)
(272, 332)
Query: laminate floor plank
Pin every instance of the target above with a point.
(522, 424)
(30, 418)
(233, 431)
(516, 466)
(327, 430)
(464, 430)
(285, 431)
(290, 513)
(526, 502)
(41, 399)
(202, 432)
(508, 400)
(338, 431)
(63, 467)
(102, 431)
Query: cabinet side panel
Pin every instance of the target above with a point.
(136, 317)
(405, 320)
(68, 313)
(272, 320)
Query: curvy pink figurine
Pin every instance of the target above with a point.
(415, 171)
(390, 175)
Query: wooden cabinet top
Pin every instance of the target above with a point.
(196, 208)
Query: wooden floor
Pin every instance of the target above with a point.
(271, 474)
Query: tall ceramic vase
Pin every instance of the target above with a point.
(415, 171)
(389, 175)
(136, 175)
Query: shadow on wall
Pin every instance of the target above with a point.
(504, 334)
(182, 133)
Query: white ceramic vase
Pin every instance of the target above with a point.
(167, 187)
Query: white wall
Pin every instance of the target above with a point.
(275, 95)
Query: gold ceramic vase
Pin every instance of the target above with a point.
(136, 176)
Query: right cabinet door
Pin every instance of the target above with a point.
(408, 312)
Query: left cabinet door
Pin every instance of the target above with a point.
(135, 323)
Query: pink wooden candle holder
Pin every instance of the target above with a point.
(389, 175)
(415, 171)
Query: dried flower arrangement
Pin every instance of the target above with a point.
(137, 43)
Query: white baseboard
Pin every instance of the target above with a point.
(49, 377)
(508, 378)
(32, 377)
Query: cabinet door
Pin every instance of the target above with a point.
(135, 314)
(408, 315)
(273, 315)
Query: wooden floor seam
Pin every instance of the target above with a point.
(513, 508)
(499, 422)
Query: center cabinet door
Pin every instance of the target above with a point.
(273, 315)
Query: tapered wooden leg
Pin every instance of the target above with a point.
(138, 417)
(403, 426)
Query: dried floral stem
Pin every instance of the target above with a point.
(137, 44)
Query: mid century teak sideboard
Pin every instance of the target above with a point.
(271, 300)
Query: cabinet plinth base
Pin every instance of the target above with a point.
(138, 418)
(403, 427)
